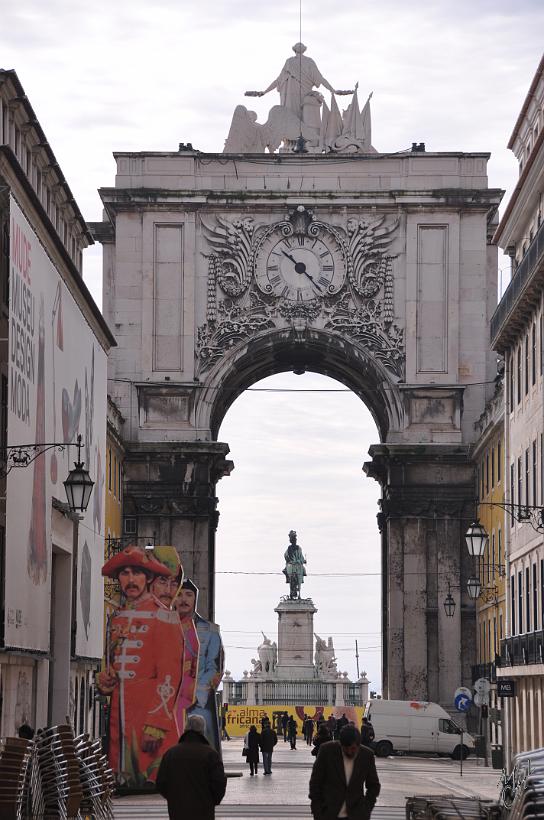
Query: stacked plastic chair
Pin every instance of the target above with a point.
(55, 783)
(97, 779)
(15, 762)
(527, 786)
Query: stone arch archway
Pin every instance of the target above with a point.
(397, 311)
(314, 350)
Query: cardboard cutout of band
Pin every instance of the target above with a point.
(162, 662)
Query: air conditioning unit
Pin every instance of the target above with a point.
(131, 526)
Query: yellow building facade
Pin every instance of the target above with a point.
(490, 569)
(114, 475)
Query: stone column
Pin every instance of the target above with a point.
(295, 639)
(339, 700)
(170, 491)
(428, 501)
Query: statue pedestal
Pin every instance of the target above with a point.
(295, 639)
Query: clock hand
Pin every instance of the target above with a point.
(312, 280)
(288, 255)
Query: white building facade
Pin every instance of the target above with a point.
(53, 359)
(517, 333)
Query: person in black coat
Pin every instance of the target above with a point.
(269, 739)
(252, 744)
(344, 781)
(323, 736)
(292, 727)
(191, 776)
(284, 723)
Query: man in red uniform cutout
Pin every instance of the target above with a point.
(144, 648)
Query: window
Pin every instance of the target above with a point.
(541, 347)
(4, 414)
(535, 599)
(533, 354)
(499, 459)
(115, 476)
(495, 642)
(483, 644)
(520, 483)
(520, 602)
(109, 469)
(511, 381)
(513, 605)
(527, 599)
(541, 468)
(519, 375)
(501, 630)
(512, 498)
(542, 592)
(534, 482)
(526, 364)
(487, 472)
(527, 477)
(492, 467)
(482, 479)
(447, 726)
(493, 561)
(499, 548)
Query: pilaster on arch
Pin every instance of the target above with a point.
(318, 351)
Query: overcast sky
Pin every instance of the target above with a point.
(121, 75)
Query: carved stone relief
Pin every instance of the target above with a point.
(301, 272)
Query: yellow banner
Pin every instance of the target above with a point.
(240, 718)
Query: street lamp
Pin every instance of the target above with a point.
(449, 603)
(476, 538)
(474, 588)
(79, 485)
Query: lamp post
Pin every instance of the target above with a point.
(79, 484)
(476, 539)
(449, 603)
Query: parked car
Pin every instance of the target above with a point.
(416, 726)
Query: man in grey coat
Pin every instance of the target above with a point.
(344, 781)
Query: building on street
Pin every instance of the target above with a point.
(53, 353)
(517, 333)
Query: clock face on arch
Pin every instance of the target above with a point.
(299, 267)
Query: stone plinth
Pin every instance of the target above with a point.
(295, 639)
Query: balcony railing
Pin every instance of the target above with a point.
(520, 278)
(523, 650)
(484, 670)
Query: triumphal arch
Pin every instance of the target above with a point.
(301, 247)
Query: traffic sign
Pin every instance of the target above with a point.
(462, 699)
(481, 700)
(482, 686)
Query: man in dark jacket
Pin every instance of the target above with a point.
(344, 781)
(191, 776)
(269, 739)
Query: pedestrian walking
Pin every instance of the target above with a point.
(309, 731)
(367, 733)
(252, 744)
(331, 724)
(344, 781)
(191, 776)
(284, 723)
(292, 728)
(323, 736)
(224, 733)
(269, 739)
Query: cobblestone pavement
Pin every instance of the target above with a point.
(285, 793)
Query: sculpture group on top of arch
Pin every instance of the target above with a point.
(301, 272)
(303, 112)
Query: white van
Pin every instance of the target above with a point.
(415, 726)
